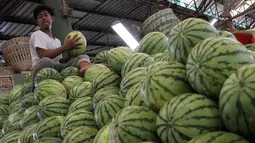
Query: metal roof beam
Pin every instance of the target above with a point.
(19, 20)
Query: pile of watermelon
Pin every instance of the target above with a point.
(195, 85)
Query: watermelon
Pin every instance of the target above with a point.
(84, 103)
(152, 43)
(3, 110)
(106, 79)
(82, 41)
(2, 119)
(80, 91)
(54, 106)
(236, 102)
(77, 119)
(49, 87)
(47, 73)
(11, 137)
(69, 71)
(163, 21)
(133, 77)
(30, 116)
(81, 135)
(49, 140)
(133, 124)
(165, 56)
(250, 47)
(164, 81)
(103, 135)
(49, 127)
(103, 92)
(28, 77)
(71, 82)
(117, 58)
(219, 137)
(186, 116)
(94, 71)
(186, 35)
(133, 96)
(136, 61)
(107, 108)
(101, 57)
(212, 61)
(4, 100)
(15, 94)
(226, 34)
(12, 123)
(26, 136)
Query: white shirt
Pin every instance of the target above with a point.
(44, 41)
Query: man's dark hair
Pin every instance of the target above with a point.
(40, 8)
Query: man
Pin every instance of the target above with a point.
(46, 50)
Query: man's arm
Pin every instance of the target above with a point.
(50, 53)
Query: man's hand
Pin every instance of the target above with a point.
(71, 44)
(84, 66)
(65, 59)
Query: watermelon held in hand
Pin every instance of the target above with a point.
(82, 48)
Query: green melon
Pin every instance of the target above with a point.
(164, 81)
(4, 110)
(30, 116)
(250, 47)
(226, 34)
(154, 42)
(49, 140)
(71, 82)
(165, 56)
(48, 73)
(219, 137)
(81, 135)
(134, 96)
(80, 91)
(11, 137)
(94, 71)
(82, 41)
(186, 35)
(103, 92)
(187, 116)
(4, 100)
(236, 102)
(26, 136)
(70, 71)
(212, 61)
(103, 136)
(84, 103)
(12, 123)
(101, 57)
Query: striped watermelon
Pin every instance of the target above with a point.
(137, 60)
(2, 119)
(94, 71)
(49, 140)
(49, 127)
(26, 136)
(3, 110)
(80, 91)
(133, 96)
(236, 102)
(49, 87)
(77, 119)
(219, 137)
(84, 103)
(106, 79)
(30, 116)
(186, 35)
(226, 34)
(212, 61)
(15, 94)
(82, 44)
(103, 135)
(11, 137)
(117, 58)
(133, 77)
(69, 71)
(152, 43)
(12, 123)
(250, 47)
(28, 77)
(163, 21)
(133, 124)
(47, 73)
(81, 135)
(165, 56)
(101, 93)
(107, 108)
(187, 116)
(54, 106)
(71, 82)
(164, 81)
(4, 100)
(101, 57)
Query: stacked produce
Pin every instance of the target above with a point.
(194, 85)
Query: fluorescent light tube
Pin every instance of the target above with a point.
(125, 35)
(214, 21)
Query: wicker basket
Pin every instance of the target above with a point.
(6, 70)
(16, 53)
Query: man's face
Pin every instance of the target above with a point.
(44, 19)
